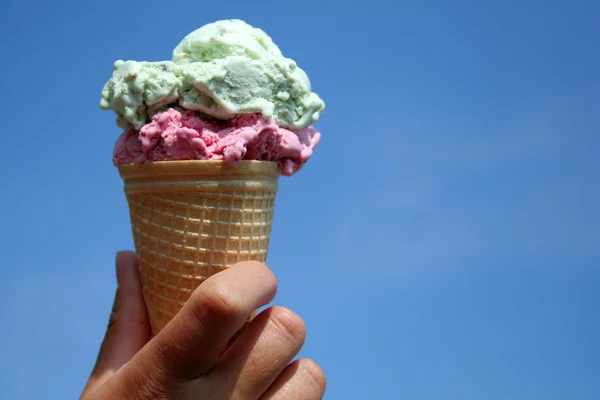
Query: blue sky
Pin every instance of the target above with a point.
(449, 248)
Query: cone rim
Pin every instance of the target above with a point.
(198, 168)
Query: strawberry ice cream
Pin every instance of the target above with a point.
(176, 135)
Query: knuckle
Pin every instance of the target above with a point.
(154, 378)
(288, 324)
(149, 385)
(218, 299)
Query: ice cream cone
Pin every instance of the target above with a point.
(192, 219)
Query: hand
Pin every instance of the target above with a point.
(206, 351)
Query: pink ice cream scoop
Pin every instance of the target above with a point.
(173, 135)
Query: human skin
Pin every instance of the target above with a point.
(209, 350)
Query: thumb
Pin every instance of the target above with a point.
(128, 327)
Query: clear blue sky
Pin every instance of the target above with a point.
(443, 243)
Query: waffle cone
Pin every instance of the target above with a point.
(192, 219)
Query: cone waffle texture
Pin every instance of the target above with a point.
(192, 219)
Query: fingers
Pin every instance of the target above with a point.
(237, 334)
(128, 327)
(190, 344)
(186, 359)
(301, 380)
(263, 349)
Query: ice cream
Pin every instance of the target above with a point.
(205, 139)
(218, 73)
(173, 135)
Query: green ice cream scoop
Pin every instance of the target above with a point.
(223, 69)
